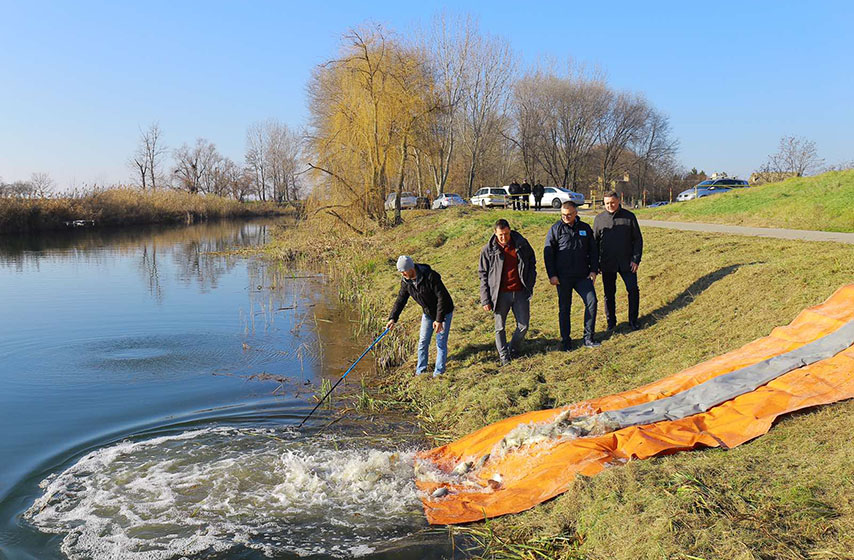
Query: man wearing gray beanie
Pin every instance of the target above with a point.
(425, 286)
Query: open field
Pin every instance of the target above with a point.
(789, 494)
(124, 206)
(824, 202)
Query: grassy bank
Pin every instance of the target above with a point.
(124, 206)
(824, 202)
(789, 494)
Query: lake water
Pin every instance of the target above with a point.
(150, 389)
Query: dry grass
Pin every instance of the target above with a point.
(789, 494)
(123, 206)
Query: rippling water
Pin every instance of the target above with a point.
(150, 391)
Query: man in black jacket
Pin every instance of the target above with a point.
(572, 261)
(508, 271)
(425, 286)
(620, 243)
(525, 199)
(538, 191)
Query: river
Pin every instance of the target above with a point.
(152, 384)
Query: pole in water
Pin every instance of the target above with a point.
(359, 359)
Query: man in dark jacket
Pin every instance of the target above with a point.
(572, 260)
(620, 244)
(514, 189)
(526, 196)
(538, 191)
(425, 286)
(508, 271)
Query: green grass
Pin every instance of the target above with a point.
(789, 494)
(124, 206)
(824, 202)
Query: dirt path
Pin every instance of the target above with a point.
(779, 233)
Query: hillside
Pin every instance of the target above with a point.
(824, 202)
(788, 494)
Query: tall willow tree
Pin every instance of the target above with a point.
(365, 106)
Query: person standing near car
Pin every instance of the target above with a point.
(508, 271)
(538, 191)
(525, 199)
(620, 243)
(425, 286)
(514, 189)
(572, 261)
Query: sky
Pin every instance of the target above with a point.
(79, 80)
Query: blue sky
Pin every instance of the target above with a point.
(79, 79)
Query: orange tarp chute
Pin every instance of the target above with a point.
(523, 477)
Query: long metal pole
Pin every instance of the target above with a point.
(368, 349)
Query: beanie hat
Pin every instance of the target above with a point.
(405, 263)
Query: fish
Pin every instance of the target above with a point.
(439, 492)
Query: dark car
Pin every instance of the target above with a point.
(710, 187)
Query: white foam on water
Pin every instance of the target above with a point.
(212, 489)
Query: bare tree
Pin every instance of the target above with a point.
(194, 166)
(795, 155)
(147, 156)
(623, 122)
(489, 72)
(448, 48)
(41, 184)
(653, 149)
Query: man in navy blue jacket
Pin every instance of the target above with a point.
(572, 261)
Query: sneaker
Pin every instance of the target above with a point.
(590, 343)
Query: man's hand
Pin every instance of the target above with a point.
(487, 307)
(554, 281)
(438, 327)
(390, 324)
(633, 266)
(592, 276)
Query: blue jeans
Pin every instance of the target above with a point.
(441, 344)
(584, 288)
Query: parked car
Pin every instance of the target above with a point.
(447, 200)
(555, 196)
(407, 200)
(490, 197)
(657, 204)
(710, 187)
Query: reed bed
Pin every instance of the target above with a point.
(125, 206)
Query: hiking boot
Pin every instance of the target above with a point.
(590, 343)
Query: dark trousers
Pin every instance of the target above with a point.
(538, 203)
(609, 284)
(584, 288)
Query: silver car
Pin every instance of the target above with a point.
(408, 200)
(447, 200)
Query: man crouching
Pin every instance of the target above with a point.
(508, 271)
(426, 287)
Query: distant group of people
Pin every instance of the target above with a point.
(520, 195)
(574, 253)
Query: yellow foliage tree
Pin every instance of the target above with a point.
(364, 109)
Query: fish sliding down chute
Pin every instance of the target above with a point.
(519, 462)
